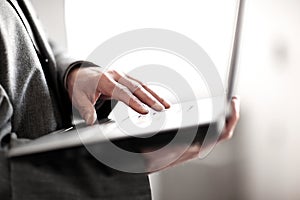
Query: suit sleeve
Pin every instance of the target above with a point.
(65, 63)
(6, 111)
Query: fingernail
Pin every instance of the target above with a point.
(157, 107)
(168, 104)
(145, 110)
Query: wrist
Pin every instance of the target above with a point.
(71, 76)
(73, 66)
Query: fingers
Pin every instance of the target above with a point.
(233, 120)
(148, 99)
(109, 88)
(161, 100)
(86, 109)
(139, 90)
(152, 93)
(141, 93)
(124, 94)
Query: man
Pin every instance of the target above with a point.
(36, 83)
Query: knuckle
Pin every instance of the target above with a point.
(106, 85)
(136, 87)
(114, 73)
(109, 91)
(124, 91)
(103, 79)
(121, 93)
(134, 101)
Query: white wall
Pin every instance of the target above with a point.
(262, 161)
(51, 14)
(270, 90)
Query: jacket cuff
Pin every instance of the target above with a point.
(74, 65)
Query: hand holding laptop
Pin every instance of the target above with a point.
(155, 160)
(232, 121)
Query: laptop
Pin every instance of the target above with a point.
(183, 123)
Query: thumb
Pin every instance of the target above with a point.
(87, 110)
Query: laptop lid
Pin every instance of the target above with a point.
(55, 141)
(233, 62)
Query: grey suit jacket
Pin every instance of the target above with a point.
(33, 102)
(31, 75)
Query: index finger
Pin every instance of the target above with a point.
(156, 96)
(123, 94)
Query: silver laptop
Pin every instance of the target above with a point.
(193, 119)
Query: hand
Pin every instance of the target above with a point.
(156, 161)
(86, 85)
(233, 120)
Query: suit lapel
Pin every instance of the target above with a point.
(24, 21)
(43, 48)
(41, 40)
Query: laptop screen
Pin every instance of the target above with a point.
(210, 24)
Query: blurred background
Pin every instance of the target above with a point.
(262, 160)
